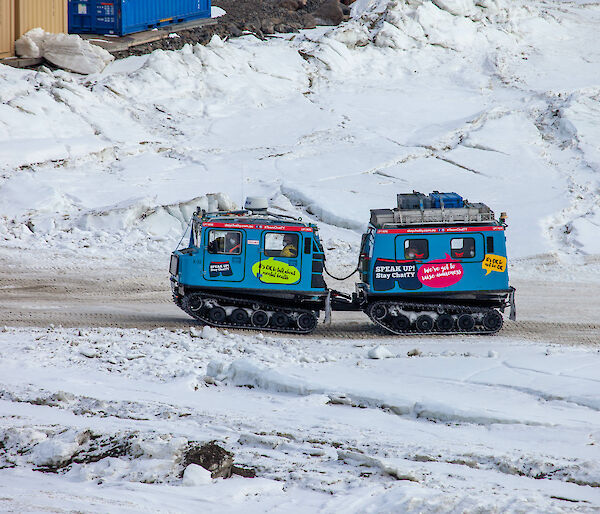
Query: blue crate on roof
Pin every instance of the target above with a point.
(450, 200)
(120, 17)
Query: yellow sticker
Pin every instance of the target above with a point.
(493, 262)
(275, 272)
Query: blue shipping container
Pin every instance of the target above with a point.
(122, 17)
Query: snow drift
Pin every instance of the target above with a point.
(67, 51)
(406, 95)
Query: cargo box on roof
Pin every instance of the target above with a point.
(447, 200)
(413, 200)
(122, 17)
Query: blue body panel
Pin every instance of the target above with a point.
(252, 267)
(444, 261)
(122, 17)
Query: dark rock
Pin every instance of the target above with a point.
(308, 21)
(267, 26)
(234, 30)
(252, 27)
(243, 472)
(330, 13)
(210, 456)
(292, 5)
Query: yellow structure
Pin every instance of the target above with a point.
(51, 15)
(19, 16)
(7, 28)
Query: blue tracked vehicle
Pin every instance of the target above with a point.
(251, 269)
(433, 264)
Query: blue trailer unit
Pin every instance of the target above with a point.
(253, 270)
(120, 17)
(435, 263)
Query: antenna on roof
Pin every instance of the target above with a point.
(243, 178)
(257, 204)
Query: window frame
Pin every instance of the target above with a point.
(277, 253)
(226, 231)
(463, 239)
(407, 246)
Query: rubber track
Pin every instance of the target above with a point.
(225, 301)
(425, 308)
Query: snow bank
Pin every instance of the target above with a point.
(293, 118)
(460, 25)
(580, 123)
(67, 51)
(450, 403)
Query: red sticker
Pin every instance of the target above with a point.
(288, 228)
(441, 273)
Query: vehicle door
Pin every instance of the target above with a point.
(280, 258)
(224, 255)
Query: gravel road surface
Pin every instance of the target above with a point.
(97, 296)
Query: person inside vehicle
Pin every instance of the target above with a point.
(415, 249)
(289, 246)
(217, 245)
(233, 243)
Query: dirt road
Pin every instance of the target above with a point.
(98, 296)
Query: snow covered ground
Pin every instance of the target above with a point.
(454, 424)
(497, 100)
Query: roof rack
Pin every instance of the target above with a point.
(437, 208)
(247, 215)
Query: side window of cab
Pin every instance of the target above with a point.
(462, 248)
(279, 244)
(416, 249)
(225, 242)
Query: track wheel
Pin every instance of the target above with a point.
(379, 311)
(400, 323)
(195, 303)
(280, 320)
(306, 321)
(260, 319)
(217, 315)
(424, 323)
(444, 322)
(239, 317)
(466, 322)
(492, 320)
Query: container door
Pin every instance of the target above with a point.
(106, 17)
(81, 16)
(224, 255)
(280, 258)
(95, 16)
